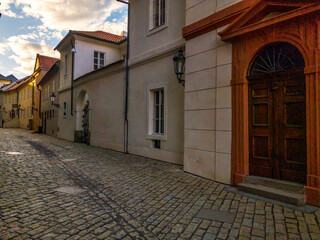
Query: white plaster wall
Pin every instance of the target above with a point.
(66, 124)
(106, 100)
(144, 42)
(84, 56)
(143, 77)
(65, 79)
(208, 98)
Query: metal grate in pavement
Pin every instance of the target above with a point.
(216, 215)
(12, 153)
(70, 190)
(69, 160)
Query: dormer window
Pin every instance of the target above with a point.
(99, 60)
(158, 13)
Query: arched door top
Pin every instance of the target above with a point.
(276, 57)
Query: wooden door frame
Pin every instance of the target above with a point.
(303, 33)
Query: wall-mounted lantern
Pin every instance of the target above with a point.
(53, 98)
(179, 62)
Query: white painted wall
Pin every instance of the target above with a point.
(151, 66)
(145, 42)
(85, 55)
(105, 90)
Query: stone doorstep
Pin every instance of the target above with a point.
(281, 195)
(275, 183)
(304, 208)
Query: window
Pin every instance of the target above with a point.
(98, 60)
(65, 109)
(65, 65)
(158, 13)
(158, 111)
(53, 113)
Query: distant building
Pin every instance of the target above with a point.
(49, 85)
(42, 66)
(7, 80)
(10, 102)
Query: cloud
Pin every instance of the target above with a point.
(23, 49)
(6, 11)
(63, 15)
(56, 17)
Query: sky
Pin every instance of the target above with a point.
(28, 27)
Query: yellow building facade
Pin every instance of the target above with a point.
(42, 66)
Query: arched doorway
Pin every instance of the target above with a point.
(83, 118)
(277, 113)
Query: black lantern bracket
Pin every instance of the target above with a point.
(52, 99)
(179, 66)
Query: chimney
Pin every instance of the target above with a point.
(124, 34)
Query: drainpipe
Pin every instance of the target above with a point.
(40, 96)
(18, 103)
(126, 121)
(72, 75)
(32, 108)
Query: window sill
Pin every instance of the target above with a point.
(157, 137)
(157, 29)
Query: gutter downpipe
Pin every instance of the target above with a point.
(126, 121)
(18, 104)
(72, 77)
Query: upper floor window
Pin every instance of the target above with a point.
(98, 60)
(158, 13)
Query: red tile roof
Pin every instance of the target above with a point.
(46, 62)
(100, 35)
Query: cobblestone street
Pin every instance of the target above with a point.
(54, 189)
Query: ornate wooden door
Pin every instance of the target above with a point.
(278, 126)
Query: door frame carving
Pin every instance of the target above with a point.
(303, 32)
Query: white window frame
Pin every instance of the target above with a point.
(150, 112)
(99, 59)
(154, 29)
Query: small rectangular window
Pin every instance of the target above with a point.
(99, 60)
(157, 144)
(65, 109)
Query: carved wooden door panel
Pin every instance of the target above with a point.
(261, 129)
(277, 113)
(292, 130)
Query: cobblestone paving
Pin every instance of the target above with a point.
(124, 197)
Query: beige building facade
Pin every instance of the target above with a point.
(208, 98)
(152, 82)
(25, 104)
